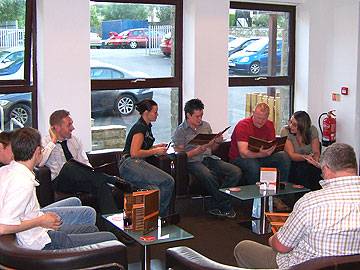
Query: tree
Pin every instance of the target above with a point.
(13, 10)
(123, 11)
(164, 13)
(95, 19)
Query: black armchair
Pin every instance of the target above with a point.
(105, 255)
(184, 258)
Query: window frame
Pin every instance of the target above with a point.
(25, 85)
(271, 81)
(154, 83)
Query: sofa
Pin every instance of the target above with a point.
(106, 161)
(105, 255)
(184, 258)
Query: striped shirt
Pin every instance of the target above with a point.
(325, 222)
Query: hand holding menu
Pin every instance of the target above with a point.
(255, 144)
(202, 139)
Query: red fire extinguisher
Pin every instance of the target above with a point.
(328, 128)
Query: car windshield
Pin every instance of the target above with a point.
(256, 46)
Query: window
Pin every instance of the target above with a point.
(135, 54)
(261, 60)
(17, 90)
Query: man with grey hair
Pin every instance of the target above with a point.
(323, 223)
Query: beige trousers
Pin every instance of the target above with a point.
(249, 254)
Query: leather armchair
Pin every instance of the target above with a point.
(184, 258)
(105, 255)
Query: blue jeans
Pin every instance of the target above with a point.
(61, 240)
(215, 174)
(142, 174)
(71, 211)
(251, 166)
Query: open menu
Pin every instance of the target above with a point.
(255, 144)
(202, 139)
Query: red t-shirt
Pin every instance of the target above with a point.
(244, 129)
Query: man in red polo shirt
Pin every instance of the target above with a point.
(250, 162)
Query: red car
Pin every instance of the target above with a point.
(132, 38)
(166, 44)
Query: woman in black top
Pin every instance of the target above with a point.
(139, 145)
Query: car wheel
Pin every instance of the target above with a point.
(254, 68)
(133, 44)
(125, 105)
(21, 113)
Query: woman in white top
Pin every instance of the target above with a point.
(303, 148)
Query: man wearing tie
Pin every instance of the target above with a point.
(60, 147)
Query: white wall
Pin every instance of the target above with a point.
(63, 63)
(329, 31)
(205, 57)
(327, 51)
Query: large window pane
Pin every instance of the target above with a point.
(261, 44)
(135, 37)
(15, 111)
(242, 100)
(12, 39)
(113, 113)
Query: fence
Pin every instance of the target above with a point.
(11, 38)
(156, 34)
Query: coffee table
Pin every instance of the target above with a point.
(253, 192)
(163, 234)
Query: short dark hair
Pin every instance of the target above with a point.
(5, 137)
(24, 142)
(145, 105)
(192, 105)
(338, 157)
(57, 117)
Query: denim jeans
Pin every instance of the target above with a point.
(215, 174)
(61, 240)
(251, 166)
(142, 174)
(71, 211)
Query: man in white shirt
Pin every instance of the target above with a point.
(19, 208)
(323, 223)
(61, 148)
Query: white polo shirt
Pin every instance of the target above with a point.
(18, 202)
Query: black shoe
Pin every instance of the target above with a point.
(123, 185)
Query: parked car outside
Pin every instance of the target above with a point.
(120, 102)
(9, 56)
(95, 41)
(253, 59)
(16, 106)
(239, 44)
(15, 71)
(166, 44)
(132, 38)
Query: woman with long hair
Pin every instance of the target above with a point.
(138, 146)
(303, 148)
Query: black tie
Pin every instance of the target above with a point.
(66, 150)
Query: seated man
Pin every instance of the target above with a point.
(323, 222)
(70, 210)
(19, 208)
(250, 162)
(60, 147)
(207, 168)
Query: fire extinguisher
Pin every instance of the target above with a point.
(328, 128)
